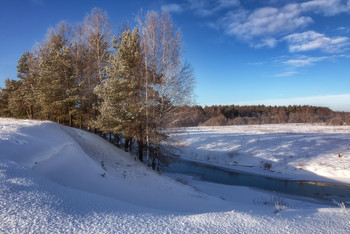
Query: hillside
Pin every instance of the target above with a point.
(59, 179)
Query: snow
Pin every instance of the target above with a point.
(52, 179)
(295, 151)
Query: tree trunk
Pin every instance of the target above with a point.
(140, 150)
(126, 145)
(154, 163)
(81, 121)
(70, 119)
(116, 139)
(31, 112)
(130, 144)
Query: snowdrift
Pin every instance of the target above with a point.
(55, 179)
(83, 161)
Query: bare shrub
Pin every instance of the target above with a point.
(342, 207)
(275, 201)
(267, 166)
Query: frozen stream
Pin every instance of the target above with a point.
(320, 190)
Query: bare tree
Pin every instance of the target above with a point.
(98, 37)
(169, 80)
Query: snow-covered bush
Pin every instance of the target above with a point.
(343, 208)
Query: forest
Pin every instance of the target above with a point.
(129, 87)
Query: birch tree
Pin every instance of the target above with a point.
(97, 29)
(169, 80)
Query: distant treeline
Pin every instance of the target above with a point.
(260, 114)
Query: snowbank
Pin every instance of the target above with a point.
(84, 161)
(52, 179)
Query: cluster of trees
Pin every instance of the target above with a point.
(129, 86)
(241, 115)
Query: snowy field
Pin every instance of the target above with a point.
(58, 179)
(293, 151)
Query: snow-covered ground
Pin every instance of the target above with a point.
(58, 179)
(293, 151)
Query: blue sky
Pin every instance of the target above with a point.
(272, 52)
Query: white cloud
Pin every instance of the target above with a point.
(286, 74)
(267, 26)
(228, 3)
(265, 23)
(206, 8)
(302, 61)
(344, 29)
(266, 42)
(311, 40)
(326, 7)
(176, 8)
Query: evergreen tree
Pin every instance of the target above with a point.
(80, 57)
(27, 73)
(122, 92)
(5, 95)
(56, 86)
(16, 99)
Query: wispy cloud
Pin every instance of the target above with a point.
(343, 29)
(207, 8)
(265, 22)
(286, 74)
(326, 7)
(294, 64)
(268, 26)
(202, 8)
(311, 40)
(173, 7)
(302, 61)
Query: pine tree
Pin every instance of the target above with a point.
(6, 95)
(4, 111)
(122, 92)
(80, 57)
(27, 73)
(56, 86)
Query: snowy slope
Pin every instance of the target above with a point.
(51, 181)
(294, 151)
(84, 161)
